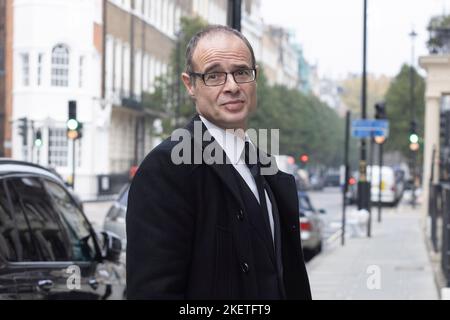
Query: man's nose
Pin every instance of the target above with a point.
(231, 85)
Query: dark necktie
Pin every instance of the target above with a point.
(251, 160)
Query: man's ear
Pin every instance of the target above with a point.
(188, 84)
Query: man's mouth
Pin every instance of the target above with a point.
(233, 103)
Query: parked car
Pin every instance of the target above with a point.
(332, 180)
(392, 184)
(311, 225)
(115, 218)
(48, 248)
(317, 182)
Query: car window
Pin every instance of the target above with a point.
(15, 242)
(35, 224)
(78, 229)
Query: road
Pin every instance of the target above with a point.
(329, 199)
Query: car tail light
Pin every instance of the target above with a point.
(305, 224)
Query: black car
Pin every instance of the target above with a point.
(48, 249)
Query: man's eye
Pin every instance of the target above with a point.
(243, 73)
(211, 76)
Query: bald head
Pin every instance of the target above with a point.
(208, 32)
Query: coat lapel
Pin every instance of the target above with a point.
(224, 171)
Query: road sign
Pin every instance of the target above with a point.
(370, 128)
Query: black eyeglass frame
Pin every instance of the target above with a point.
(202, 76)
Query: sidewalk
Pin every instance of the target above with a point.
(393, 264)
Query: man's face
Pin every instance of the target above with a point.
(229, 105)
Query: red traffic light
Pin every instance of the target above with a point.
(351, 181)
(304, 158)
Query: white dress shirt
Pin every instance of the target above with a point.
(233, 146)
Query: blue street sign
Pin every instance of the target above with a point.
(370, 128)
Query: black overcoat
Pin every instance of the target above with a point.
(187, 235)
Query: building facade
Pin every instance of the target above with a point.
(105, 55)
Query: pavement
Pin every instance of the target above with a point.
(391, 265)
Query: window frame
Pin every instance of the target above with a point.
(60, 80)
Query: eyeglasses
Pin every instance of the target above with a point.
(214, 79)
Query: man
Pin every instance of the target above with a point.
(211, 230)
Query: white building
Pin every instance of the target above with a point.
(56, 58)
(58, 51)
(105, 55)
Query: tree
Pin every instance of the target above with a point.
(169, 97)
(399, 110)
(306, 124)
(376, 91)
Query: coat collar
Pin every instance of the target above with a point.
(282, 184)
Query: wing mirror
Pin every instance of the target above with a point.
(112, 246)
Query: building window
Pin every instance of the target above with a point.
(80, 74)
(57, 147)
(25, 69)
(39, 69)
(60, 66)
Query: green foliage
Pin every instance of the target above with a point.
(399, 112)
(169, 90)
(306, 124)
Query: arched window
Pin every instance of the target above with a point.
(60, 66)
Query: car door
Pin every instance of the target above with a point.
(57, 263)
(89, 276)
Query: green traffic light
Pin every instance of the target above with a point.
(72, 124)
(38, 143)
(414, 138)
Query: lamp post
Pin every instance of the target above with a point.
(413, 35)
(364, 184)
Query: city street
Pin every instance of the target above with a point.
(392, 264)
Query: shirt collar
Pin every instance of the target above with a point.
(232, 145)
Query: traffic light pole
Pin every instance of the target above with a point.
(73, 164)
(413, 34)
(234, 14)
(347, 169)
(413, 196)
(369, 223)
(380, 184)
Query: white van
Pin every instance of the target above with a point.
(392, 184)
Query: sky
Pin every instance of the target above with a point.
(331, 32)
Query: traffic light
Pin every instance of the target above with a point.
(413, 137)
(23, 130)
(38, 139)
(352, 181)
(74, 127)
(380, 110)
(304, 158)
